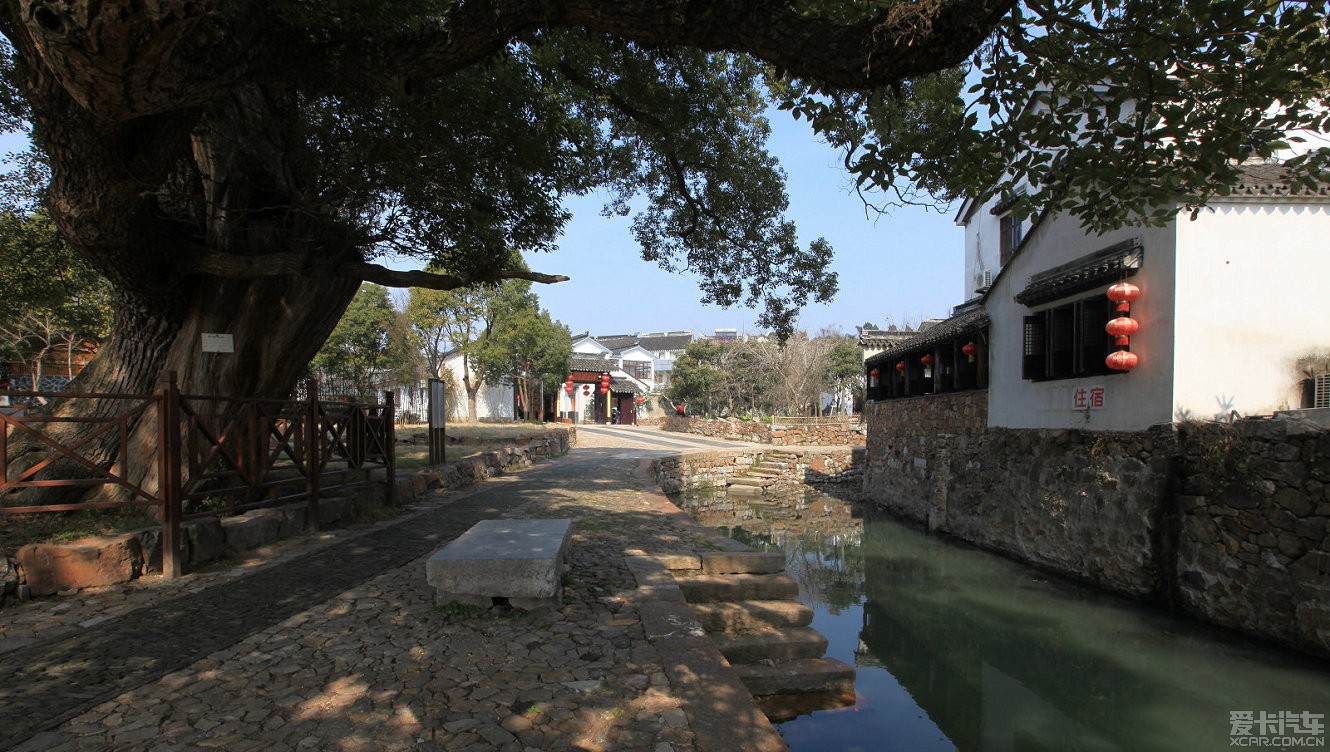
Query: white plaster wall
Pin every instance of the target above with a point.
(1133, 400)
(591, 348)
(1252, 301)
(492, 402)
(577, 402)
(983, 250)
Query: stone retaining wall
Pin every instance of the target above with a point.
(698, 470)
(847, 433)
(1223, 522)
(45, 569)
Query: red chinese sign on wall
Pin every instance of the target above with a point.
(1087, 398)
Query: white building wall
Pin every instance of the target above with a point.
(1133, 400)
(983, 247)
(1252, 302)
(492, 402)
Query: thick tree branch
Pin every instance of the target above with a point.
(183, 53)
(428, 280)
(234, 266)
(907, 39)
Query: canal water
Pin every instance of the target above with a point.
(959, 649)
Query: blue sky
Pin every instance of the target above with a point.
(897, 268)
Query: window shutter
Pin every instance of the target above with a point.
(1033, 362)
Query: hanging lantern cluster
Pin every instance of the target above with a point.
(604, 383)
(586, 389)
(1123, 327)
(568, 385)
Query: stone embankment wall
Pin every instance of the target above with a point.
(697, 470)
(1223, 522)
(833, 433)
(45, 569)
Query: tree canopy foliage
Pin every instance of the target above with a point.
(54, 306)
(761, 377)
(371, 346)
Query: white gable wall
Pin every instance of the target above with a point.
(1134, 400)
(1252, 300)
(492, 402)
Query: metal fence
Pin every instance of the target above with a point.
(194, 455)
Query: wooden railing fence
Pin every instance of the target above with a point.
(213, 455)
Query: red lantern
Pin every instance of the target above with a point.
(927, 360)
(604, 390)
(640, 400)
(1122, 328)
(586, 389)
(874, 373)
(900, 366)
(970, 349)
(1122, 360)
(568, 388)
(1124, 294)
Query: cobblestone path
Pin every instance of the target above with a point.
(343, 648)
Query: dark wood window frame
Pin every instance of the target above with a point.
(1067, 341)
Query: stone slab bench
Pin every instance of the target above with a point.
(515, 561)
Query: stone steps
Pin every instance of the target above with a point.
(707, 588)
(805, 675)
(771, 645)
(750, 609)
(748, 616)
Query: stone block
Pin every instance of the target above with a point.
(517, 560)
(291, 519)
(49, 568)
(204, 541)
(249, 531)
(334, 508)
(150, 546)
(753, 562)
(8, 575)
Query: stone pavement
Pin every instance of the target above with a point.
(338, 645)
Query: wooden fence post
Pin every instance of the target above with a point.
(390, 446)
(168, 457)
(313, 453)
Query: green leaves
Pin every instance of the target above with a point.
(371, 345)
(1116, 111)
(53, 300)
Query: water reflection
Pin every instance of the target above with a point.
(960, 649)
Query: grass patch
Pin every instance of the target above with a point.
(62, 527)
(465, 440)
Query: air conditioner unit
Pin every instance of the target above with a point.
(986, 279)
(1321, 391)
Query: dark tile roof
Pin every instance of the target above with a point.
(1271, 181)
(652, 342)
(969, 321)
(883, 337)
(617, 341)
(624, 385)
(598, 365)
(663, 342)
(1085, 273)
